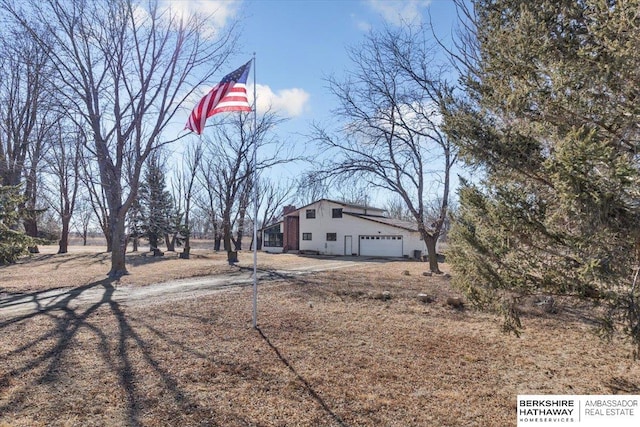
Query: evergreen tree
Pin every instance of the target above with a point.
(135, 223)
(155, 204)
(551, 119)
(13, 242)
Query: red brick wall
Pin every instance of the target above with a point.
(290, 233)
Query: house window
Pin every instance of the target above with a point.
(311, 214)
(332, 237)
(336, 213)
(273, 236)
(306, 236)
(273, 240)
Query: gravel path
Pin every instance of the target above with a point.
(27, 304)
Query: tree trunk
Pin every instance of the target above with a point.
(216, 237)
(31, 229)
(226, 235)
(170, 241)
(109, 238)
(119, 246)
(31, 220)
(153, 241)
(241, 222)
(64, 236)
(31, 225)
(431, 241)
(187, 228)
(185, 253)
(259, 243)
(135, 244)
(187, 246)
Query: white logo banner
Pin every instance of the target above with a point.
(578, 410)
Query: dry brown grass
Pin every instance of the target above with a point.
(329, 351)
(87, 264)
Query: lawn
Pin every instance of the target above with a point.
(330, 350)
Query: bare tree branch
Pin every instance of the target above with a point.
(391, 105)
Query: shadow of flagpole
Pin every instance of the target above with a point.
(307, 386)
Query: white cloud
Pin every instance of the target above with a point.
(414, 118)
(219, 11)
(361, 25)
(399, 11)
(288, 102)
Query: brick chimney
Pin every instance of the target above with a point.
(290, 225)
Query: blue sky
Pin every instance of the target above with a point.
(298, 43)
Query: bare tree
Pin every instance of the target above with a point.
(96, 197)
(244, 202)
(311, 186)
(193, 158)
(390, 136)
(64, 167)
(272, 197)
(126, 69)
(26, 116)
(228, 169)
(208, 202)
(354, 192)
(397, 208)
(82, 216)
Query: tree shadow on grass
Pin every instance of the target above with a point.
(619, 385)
(57, 260)
(145, 258)
(46, 357)
(300, 378)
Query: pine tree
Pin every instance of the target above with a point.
(551, 119)
(135, 223)
(13, 242)
(155, 204)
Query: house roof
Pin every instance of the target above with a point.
(348, 205)
(398, 223)
(270, 225)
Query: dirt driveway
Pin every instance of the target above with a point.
(26, 304)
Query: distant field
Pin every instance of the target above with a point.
(331, 350)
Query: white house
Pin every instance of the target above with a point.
(328, 227)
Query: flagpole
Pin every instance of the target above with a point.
(255, 199)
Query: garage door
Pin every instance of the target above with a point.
(381, 246)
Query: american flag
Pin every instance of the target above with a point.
(228, 95)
